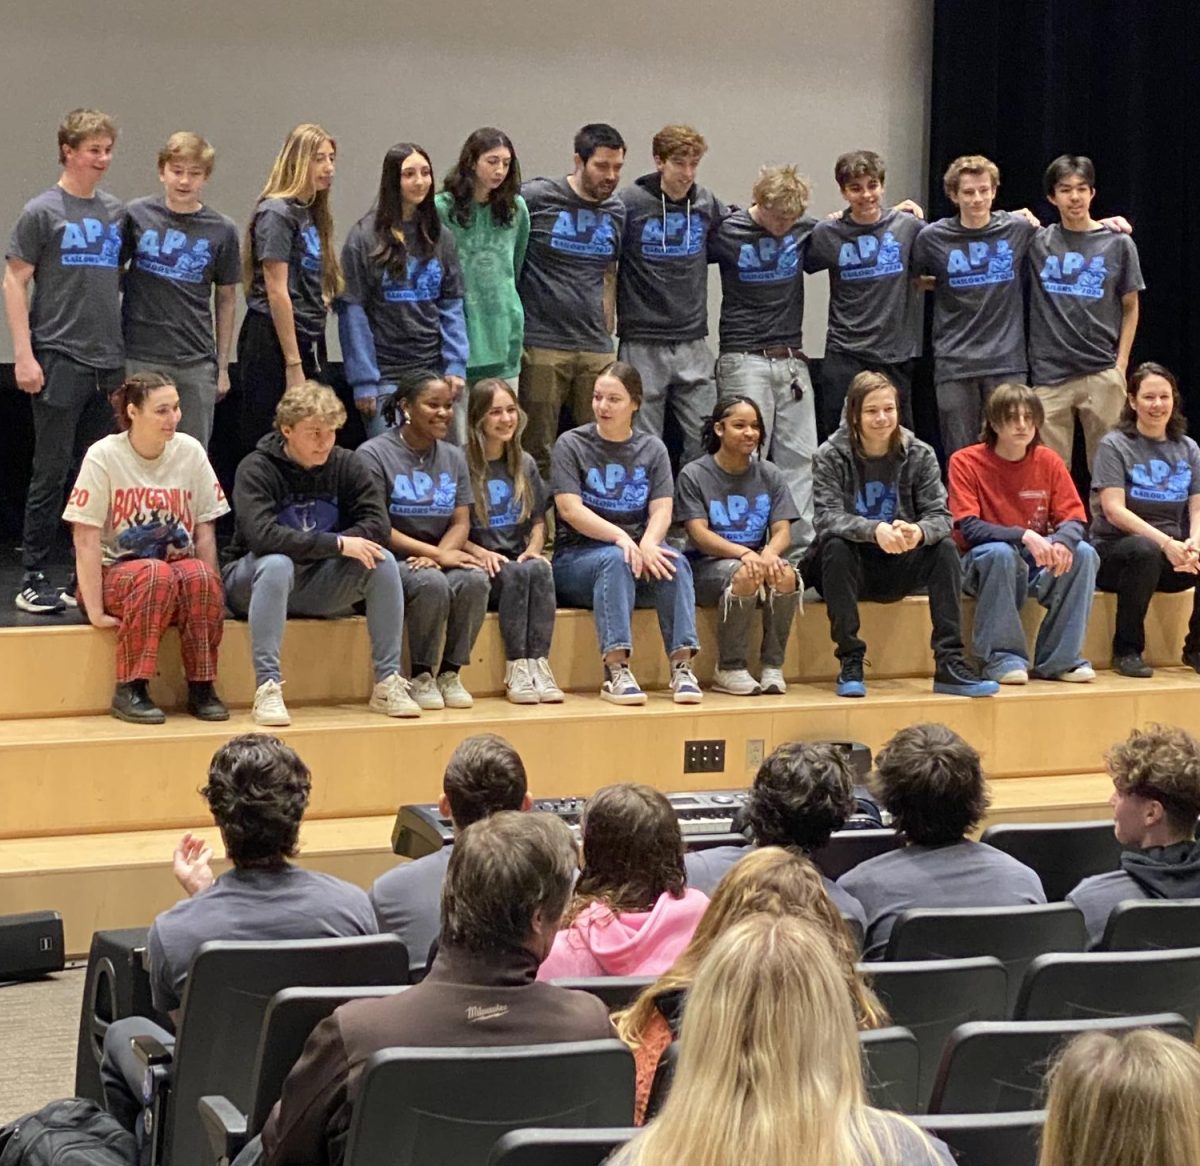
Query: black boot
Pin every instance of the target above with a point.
(204, 703)
(131, 702)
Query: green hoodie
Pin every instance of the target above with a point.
(491, 258)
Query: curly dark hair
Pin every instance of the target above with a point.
(258, 791)
(1161, 762)
(485, 774)
(930, 780)
(801, 794)
(632, 850)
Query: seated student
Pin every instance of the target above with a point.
(302, 506)
(633, 912)
(427, 488)
(142, 513)
(930, 780)
(507, 884)
(769, 1068)
(738, 513)
(770, 881)
(484, 775)
(1156, 802)
(801, 794)
(882, 533)
(1123, 1099)
(508, 532)
(1146, 514)
(613, 488)
(1018, 517)
(257, 791)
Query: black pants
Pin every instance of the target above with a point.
(262, 376)
(852, 571)
(1135, 568)
(838, 369)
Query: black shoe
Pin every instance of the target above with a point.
(955, 677)
(131, 702)
(850, 678)
(1132, 664)
(204, 703)
(38, 596)
(68, 593)
(1191, 657)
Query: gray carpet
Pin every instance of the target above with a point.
(39, 1023)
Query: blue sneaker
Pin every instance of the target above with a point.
(850, 679)
(38, 596)
(955, 677)
(621, 686)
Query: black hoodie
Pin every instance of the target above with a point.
(1165, 872)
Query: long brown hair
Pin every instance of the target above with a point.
(478, 403)
(861, 387)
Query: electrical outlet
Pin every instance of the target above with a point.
(754, 752)
(703, 756)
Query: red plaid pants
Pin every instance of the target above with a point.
(148, 596)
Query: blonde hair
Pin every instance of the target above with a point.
(782, 188)
(310, 399)
(768, 881)
(969, 164)
(676, 141)
(769, 1064)
(1127, 1100)
(187, 147)
(81, 124)
(479, 402)
(289, 178)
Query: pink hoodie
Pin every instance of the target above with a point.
(640, 943)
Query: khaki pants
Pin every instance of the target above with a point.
(1097, 399)
(550, 377)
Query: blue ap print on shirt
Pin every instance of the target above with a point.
(980, 264)
(1073, 275)
(876, 500)
(672, 236)
(608, 488)
(738, 521)
(584, 232)
(417, 495)
(89, 243)
(870, 258)
(311, 260)
(769, 260)
(309, 514)
(503, 508)
(422, 283)
(1159, 481)
(173, 256)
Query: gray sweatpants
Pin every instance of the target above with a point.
(269, 588)
(676, 375)
(197, 385)
(443, 605)
(736, 614)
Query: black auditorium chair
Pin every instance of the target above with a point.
(999, 1066)
(1152, 924)
(847, 848)
(933, 997)
(290, 1018)
(1014, 935)
(558, 1147)
(989, 1139)
(225, 999)
(427, 1107)
(1121, 983)
(616, 991)
(1062, 853)
(892, 1060)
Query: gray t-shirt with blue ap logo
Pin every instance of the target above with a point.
(283, 232)
(506, 532)
(74, 246)
(738, 507)
(1158, 478)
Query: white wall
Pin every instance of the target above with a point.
(762, 80)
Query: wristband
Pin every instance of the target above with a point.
(744, 554)
(292, 363)
(340, 545)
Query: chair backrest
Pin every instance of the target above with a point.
(933, 997)
(847, 848)
(892, 1062)
(1062, 853)
(558, 1147)
(615, 991)
(664, 1075)
(1014, 935)
(228, 989)
(1118, 983)
(999, 1066)
(1152, 924)
(989, 1139)
(421, 1107)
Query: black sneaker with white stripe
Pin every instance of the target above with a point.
(67, 593)
(38, 596)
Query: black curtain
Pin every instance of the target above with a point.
(1023, 81)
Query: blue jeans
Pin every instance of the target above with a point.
(598, 577)
(1001, 577)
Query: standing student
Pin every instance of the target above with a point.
(402, 310)
(508, 532)
(427, 488)
(179, 252)
(67, 338)
(291, 276)
(613, 489)
(480, 204)
(738, 513)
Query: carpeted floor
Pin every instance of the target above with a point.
(39, 1023)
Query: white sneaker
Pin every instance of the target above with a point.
(735, 681)
(450, 685)
(622, 687)
(543, 680)
(1013, 676)
(519, 687)
(1080, 674)
(391, 697)
(269, 708)
(685, 687)
(772, 681)
(426, 692)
